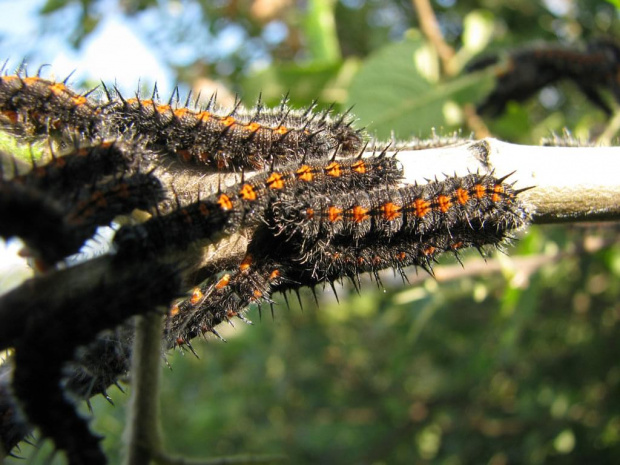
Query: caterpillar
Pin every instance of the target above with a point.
(34, 107)
(525, 71)
(101, 295)
(237, 138)
(417, 209)
(85, 164)
(234, 139)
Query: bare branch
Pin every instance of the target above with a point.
(143, 433)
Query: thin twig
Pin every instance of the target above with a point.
(474, 122)
(430, 28)
(143, 433)
(611, 130)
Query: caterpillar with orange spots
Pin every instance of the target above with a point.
(238, 138)
(382, 213)
(244, 205)
(61, 175)
(218, 300)
(335, 261)
(232, 140)
(263, 271)
(34, 107)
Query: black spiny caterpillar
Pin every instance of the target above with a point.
(525, 71)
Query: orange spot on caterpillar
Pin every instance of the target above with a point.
(204, 210)
(181, 112)
(280, 130)
(253, 127)
(422, 207)
(248, 193)
(334, 214)
(187, 217)
(204, 116)
(225, 202)
(229, 121)
(185, 155)
(197, 296)
(162, 108)
(79, 100)
(56, 89)
(305, 173)
(462, 196)
(457, 245)
(444, 203)
(174, 310)
(334, 170)
(11, 115)
(359, 167)
(246, 263)
(429, 250)
(275, 181)
(223, 282)
(360, 214)
(390, 211)
(498, 191)
(275, 274)
(480, 191)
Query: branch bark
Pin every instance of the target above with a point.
(143, 432)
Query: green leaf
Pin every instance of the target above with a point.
(615, 3)
(391, 94)
(320, 27)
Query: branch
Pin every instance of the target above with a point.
(143, 433)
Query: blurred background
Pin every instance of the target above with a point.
(509, 360)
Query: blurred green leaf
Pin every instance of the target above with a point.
(615, 3)
(391, 95)
(320, 27)
(303, 84)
